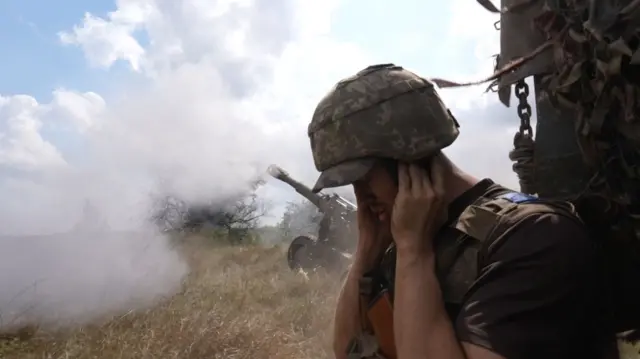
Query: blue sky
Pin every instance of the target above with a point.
(38, 62)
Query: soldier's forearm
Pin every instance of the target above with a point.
(421, 325)
(348, 323)
(347, 316)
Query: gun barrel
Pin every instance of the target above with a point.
(282, 175)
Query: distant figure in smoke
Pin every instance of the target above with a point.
(92, 219)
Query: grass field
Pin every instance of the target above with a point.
(238, 302)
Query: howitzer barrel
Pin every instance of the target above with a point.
(282, 175)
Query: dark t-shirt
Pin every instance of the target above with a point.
(540, 292)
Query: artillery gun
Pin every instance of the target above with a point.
(337, 231)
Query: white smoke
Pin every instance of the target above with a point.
(202, 114)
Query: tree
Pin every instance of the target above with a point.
(237, 219)
(235, 216)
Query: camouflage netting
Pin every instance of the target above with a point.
(596, 54)
(586, 63)
(584, 56)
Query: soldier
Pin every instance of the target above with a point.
(475, 270)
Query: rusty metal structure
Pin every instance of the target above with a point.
(337, 232)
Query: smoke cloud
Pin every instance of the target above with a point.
(197, 118)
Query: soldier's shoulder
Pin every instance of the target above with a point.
(529, 223)
(546, 233)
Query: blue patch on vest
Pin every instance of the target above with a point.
(517, 197)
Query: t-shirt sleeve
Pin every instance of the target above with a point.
(533, 297)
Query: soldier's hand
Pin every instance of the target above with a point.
(419, 209)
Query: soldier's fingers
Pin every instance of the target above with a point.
(426, 183)
(437, 176)
(404, 180)
(417, 175)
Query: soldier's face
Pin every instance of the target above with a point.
(377, 190)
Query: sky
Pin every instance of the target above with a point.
(113, 102)
(104, 100)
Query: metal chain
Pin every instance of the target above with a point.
(523, 143)
(524, 109)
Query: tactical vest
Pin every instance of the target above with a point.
(461, 254)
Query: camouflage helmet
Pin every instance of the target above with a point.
(384, 111)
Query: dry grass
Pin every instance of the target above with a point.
(239, 302)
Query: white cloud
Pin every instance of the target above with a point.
(80, 110)
(474, 41)
(21, 144)
(487, 127)
(231, 85)
(106, 42)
